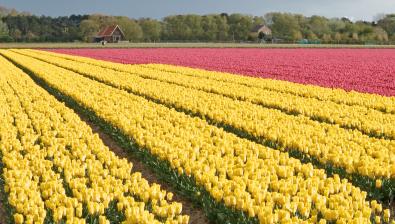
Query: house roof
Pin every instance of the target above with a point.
(258, 27)
(108, 31)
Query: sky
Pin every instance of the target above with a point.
(353, 9)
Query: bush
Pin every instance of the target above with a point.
(6, 39)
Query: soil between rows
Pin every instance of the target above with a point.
(196, 214)
(3, 213)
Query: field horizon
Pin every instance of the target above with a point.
(185, 45)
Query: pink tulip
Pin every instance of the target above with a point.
(363, 70)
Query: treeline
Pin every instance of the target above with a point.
(286, 27)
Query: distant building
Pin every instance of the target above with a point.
(262, 29)
(261, 32)
(111, 34)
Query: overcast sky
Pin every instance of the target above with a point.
(354, 9)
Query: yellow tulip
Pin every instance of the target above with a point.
(18, 218)
(78, 211)
(103, 220)
(386, 215)
(377, 219)
(378, 183)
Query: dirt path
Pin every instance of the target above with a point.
(196, 214)
(3, 212)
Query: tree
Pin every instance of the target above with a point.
(151, 29)
(258, 20)
(183, 27)
(388, 24)
(336, 25)
(130, 28)
(297, 35)
(16, 34)
(303, 24)
(4, 33)
(337, 37)
(43, 28)
(268, 17)
(284, 26)
(213, 27)
(3, 29)
(222, 26)
(355, 36)
(363, 28)
(240, 26)
(210, 28)
(312, 36)
(176, 28)
(194, 24)
(380, 34)
(319, 25)
(326, 37)
(103, 20)
(88, 29)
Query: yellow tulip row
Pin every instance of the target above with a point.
(253, 89)
(367, 120)
(348, 149)
(45, 146)
(374, 101)
(18, 179)
(260, 181)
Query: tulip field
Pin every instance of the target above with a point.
(362, 70)
(246, 135)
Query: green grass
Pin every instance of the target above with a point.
(183, 45)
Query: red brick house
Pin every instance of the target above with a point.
(111, 34)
